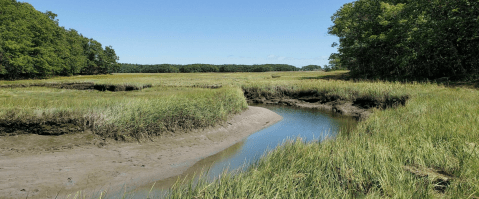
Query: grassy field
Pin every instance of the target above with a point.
(119, 115)
(425, 149)
(174, 102)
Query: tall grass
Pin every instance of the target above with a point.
(426, 149)
(334, 89)
(148, 112)
(176, 102)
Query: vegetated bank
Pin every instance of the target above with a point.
(427, 148)
(82, 86)
(355, 103)
(119, 115)
(156, 103)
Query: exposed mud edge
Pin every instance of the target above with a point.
(13, 123)
(82, 86)
(440, 179)
(359, 108)
(212, 86)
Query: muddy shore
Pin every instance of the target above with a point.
(29, 169)
(345, 108)
(359, 108)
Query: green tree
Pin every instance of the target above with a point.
(110, 59)
(408, 39)
(335, 62)
(32, 44)
(76, 59)
(311, 68)
(99, 61)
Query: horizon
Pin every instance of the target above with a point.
(212, 32)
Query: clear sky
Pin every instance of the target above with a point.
(204, 31)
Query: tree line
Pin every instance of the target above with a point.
(200, 68)
(33, 45)
(416, 39)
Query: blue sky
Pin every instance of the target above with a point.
(208, 31)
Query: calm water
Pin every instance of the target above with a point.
(310, 125)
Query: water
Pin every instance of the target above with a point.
(309, 124)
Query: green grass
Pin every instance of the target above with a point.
(339, 90)
(425, 149)
(136, 114)
(175, 102)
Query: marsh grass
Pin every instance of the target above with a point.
(427, 148)
(380, 94)
(120, 115)
(162, 103)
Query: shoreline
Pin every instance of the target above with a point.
(91, 169)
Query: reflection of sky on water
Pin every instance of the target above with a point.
(308, 124)
(305, 123)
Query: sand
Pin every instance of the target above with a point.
(29, 168)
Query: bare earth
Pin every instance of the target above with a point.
(33, 166)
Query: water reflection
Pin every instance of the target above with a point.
(309, 124)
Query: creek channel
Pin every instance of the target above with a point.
(312, 125)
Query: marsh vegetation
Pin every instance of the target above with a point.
(414, 140)
(425, 149)
(425, 146)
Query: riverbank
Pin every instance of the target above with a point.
(424, 146)
(420, 140)
(113, 166)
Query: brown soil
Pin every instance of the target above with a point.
(81, 86)
(67, 123)
(359, 108)
(36, 166)
(212, 86)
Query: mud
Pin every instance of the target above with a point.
(48, 128)
(48, 124)
(81, 86)
(34, 166)
(359, 108)
(214, 86)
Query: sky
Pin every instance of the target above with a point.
(207, 31)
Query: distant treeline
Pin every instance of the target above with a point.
(201, 68)
(408, 39)
(33, 45)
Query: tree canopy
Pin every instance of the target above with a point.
(415, 39)
(311, 68)
(199, 68)
(32, 44)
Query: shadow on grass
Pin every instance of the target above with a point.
(345, 75)
(468, 84)
(340, 75)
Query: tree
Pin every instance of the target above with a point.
(76, 59)
(32, 44)
(335, 62)
(311, 68)
(408, 39)
(110, 59)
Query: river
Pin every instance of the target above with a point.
(310, 124)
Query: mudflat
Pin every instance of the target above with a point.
(34, 166)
